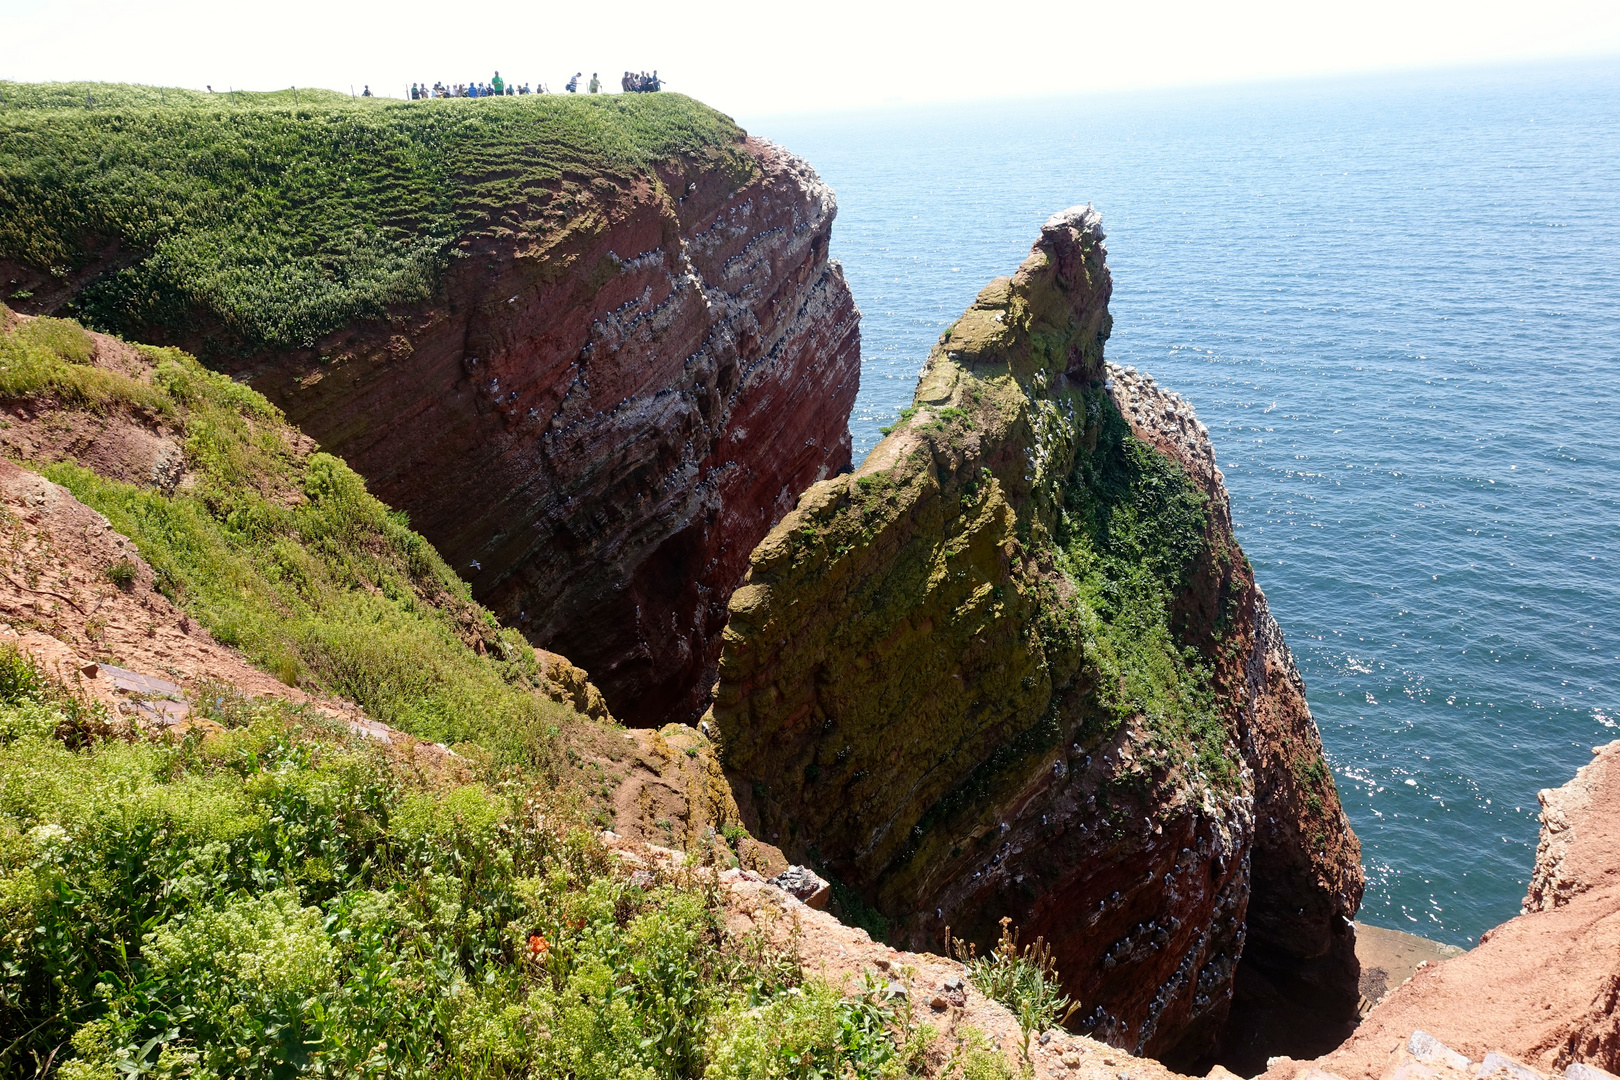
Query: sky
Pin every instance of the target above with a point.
(761, 59)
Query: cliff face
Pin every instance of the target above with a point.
(1016, 665)
(596, 430)
(593, 348)
(1543, 988)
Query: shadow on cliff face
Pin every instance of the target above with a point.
(1016, 664)
(597, 430)
(1281, 1007)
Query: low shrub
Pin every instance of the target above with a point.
(282, 900)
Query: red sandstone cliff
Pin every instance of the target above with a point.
(1543, 988)
(611, 402)
(1295, 987)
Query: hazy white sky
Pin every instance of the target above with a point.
(757, 58)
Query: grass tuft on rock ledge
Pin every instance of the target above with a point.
(271, 222)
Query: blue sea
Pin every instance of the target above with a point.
(1395, 302)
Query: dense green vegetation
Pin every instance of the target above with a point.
(270, 223)
(1131, 527)
(287, 899)
(281, 901)
(100, 95)
(283, 554)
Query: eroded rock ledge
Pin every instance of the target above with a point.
(1017, 665)
(1541, 990)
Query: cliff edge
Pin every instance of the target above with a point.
(1016, 664)
(593, 347)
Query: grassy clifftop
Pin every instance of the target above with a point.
(103, 95)
(152, 212)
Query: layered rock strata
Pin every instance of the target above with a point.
(604, 412)
(1016, 665)
(1296, 988)
(1542, 989)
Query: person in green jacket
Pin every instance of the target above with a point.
(497, 85)
(596, 84)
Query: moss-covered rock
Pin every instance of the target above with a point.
(1001, 668)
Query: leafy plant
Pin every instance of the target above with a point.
(121, 573)
(1022, 977)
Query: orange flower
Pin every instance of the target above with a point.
(538, 947)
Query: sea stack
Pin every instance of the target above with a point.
(1017, 665)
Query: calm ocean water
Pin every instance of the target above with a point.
(1396, 304)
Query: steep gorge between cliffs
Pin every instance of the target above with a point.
(1014, 665)
(595, 427)
(593, 348)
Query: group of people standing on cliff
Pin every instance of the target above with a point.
(495, 87)
(633, 83)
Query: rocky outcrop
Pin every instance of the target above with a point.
(974, 1035)
(1424, 1057)
(603, 412)
(1016, 665)
(1542, 989)
(1296, 986)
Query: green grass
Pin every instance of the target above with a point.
(100, 95)
(281, 901)
(283, 554)
(1131, 527)
(49, 358)
(267, 224)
